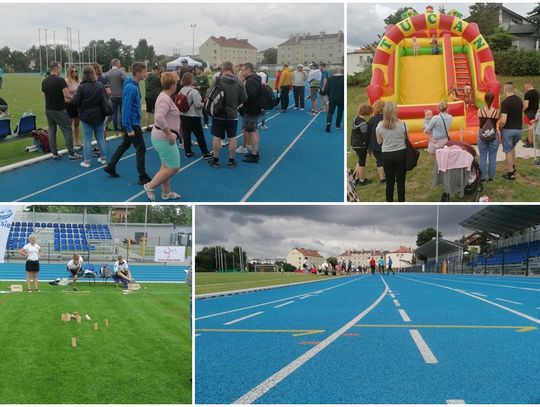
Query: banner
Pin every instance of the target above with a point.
(166, 254)
(6, 218)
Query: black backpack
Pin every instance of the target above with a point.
(359, 133)
(488, 132)
(268, 98)
(215, 103)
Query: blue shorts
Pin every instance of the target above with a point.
(510, 138)
(221, 127)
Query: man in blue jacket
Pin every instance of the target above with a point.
(131, 123)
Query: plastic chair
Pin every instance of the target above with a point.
(27, 124)
(5, 128)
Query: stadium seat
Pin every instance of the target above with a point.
(50, 225)
(27, 124)
(5, 127)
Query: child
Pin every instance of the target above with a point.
(468, 95)
(435, 44)
(452, 95)
(360, 141)
(428, 115)
(415, 46)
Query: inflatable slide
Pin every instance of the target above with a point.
(420, 60)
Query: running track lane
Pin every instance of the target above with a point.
(66, 181)
(480, 355)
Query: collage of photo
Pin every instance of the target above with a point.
(197, 208)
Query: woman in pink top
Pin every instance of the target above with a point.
(164, 133)
(73, 82)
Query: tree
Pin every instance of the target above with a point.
(5, 55)
(144, 52)
(332, 260)
(426, 235)
(500, 40)
(396, 17)
(19, 62)
(205, 260)
(177, 215)
(270, 56)
(486, 16)
(534, 18)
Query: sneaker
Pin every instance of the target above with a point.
(365, 181)
(77, 148)
(75, 156)
(241, 150)
(205, 126)
(191, 154)
(208, 156)
(181, 146)
(85, 164)
(224, 143)
(194, 143)
(301, 109)
(149, 128)
(111, 171)
(526, 144)
(102, 160)
(295, 108)
(509, 176)
(232, 163)
(264, 127)
(251, 158)
(55, 157)
(214, 163)
(328, 125)
(338, 126)
(144, 179)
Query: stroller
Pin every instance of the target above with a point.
(459, 178)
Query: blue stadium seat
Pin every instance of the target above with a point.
(5, 127)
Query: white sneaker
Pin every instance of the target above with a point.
(205, 126)
(264, 127)
(242, 150)
(102, 160)
(194, 143)
(224, 143)
(85, 164)
(181, 146)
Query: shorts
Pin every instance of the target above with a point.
(527, 119)
(362, 154)
(510, 138)
(168, 153)
(222, 127)
(313, 93)
(32, 266)
(73, 272)
(72, 111)
(250, 123)
(150, 105)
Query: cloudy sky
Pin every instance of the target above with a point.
(166, 26)
(271, 231)
(365, 21)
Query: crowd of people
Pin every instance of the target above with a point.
(377, 131)
(177, 105)
(348, 267)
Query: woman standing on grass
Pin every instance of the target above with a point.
(32, 252)
(73, 82)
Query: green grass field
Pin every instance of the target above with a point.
(526, 187)
(207, 283)
(143, 357)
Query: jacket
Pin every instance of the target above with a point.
(131, 105)
(235, 95)
(335, 89)
(88, 100)
(252, 105)
(285, 78)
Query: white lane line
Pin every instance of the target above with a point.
(277, 161)
(273, 302)
(455, 402)
(493, 285)
(537, 307)
(392, 295)
(404, 315)
(480, 295)
(234, 321)
(423, 347)
(396, 303)
(197, 335)
(511, 302)
(258, 391)
(513, 311)
(304, 297)
(284, 304)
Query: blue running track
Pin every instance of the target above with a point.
(399, 339)
(299, 162)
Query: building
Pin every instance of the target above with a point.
(358, 60)
(401, 257)
(303, 49)
(216, 50)
(260, 57)
(359, 257)
(297, 255)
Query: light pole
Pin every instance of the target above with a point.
(39, 40)
(193, 49)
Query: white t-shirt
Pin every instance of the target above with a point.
(121, 267)
(32, 250)
(71, 264)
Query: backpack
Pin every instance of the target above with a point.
(215, 103)
(182, 102)
(268, 98)
(359, 133)
(487, 132)
(41, 140)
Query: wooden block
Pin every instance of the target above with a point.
(73, 342)
(88, 317)
(96, 326)
(134, 286)
(106, 323)
(16, 288)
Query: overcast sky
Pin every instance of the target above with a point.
(365, 21)
(272, 231)
(166, 26)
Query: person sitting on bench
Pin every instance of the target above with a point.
(74, 266)
(121, 271)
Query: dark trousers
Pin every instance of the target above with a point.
(388, 270)
(284, 92)
(193, 124)
(138, 142)
(299, 96)
(116, 102)
(339, 115)
(395, 170)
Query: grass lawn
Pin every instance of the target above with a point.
(525, 188)
(143, 357)
(207, 283)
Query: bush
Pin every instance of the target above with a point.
(517, 62)
(360, 78)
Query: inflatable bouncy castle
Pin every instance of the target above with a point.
(418, 63)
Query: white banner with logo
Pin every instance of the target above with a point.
(6, 219)
(166, 254)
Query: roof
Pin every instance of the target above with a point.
(361, 51)
(402, 249)
(513, 13)
(429, 249)
(232, 42)
(503, 220)
(308, 252)
(296, 39)
(371, 252)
